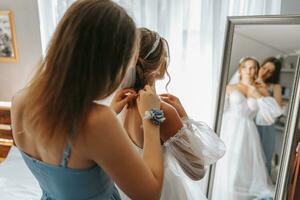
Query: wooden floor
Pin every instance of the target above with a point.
(4, 149)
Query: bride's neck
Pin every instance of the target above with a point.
(151, 82)
(246, 82)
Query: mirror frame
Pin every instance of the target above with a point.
(294, 102)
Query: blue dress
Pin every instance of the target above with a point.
(268, 139)
(63, 183)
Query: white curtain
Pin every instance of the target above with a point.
(214, 19)
(50, 12)
(195, 32)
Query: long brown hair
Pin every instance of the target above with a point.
(275, 78)
(145, 66)
(86, 60)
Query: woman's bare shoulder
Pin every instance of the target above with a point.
(18, 103)
(100, 116)
(101, 122)
(19, 97)
(167, 107)
(172, 124)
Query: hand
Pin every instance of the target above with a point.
(175, 102)
(253, 92)
(260, 83)
(122, 98)
(247, 82)
(262, 87)
(147, 100)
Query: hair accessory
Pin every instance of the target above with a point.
(155, 45)
(155, 115)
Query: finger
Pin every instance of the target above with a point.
(168, 95)
(166, 100)
(141, 92)
(125, 100)
(119, 95)
(127, 92)
(148, 88)
(164, 95)
(130, 90)
(132, 97)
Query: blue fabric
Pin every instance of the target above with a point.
(268, 140)
(267, 198)
(62, 183)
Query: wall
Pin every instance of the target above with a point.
(13, 76)
(290, 7)
(243, 46)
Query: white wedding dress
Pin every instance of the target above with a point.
(198, 140)
(241, 174)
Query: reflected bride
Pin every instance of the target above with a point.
(241, 174)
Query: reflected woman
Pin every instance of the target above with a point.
(269, 76)
(241, 174)
(268, 81)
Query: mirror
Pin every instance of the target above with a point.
(292, 183)
(256, 98)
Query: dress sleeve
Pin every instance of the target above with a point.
(195, 146)
(268, 111)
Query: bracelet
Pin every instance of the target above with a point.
(155, 115)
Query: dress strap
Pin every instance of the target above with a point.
(68, 149)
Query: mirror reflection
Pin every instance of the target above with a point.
(261, 74)
(293, 178)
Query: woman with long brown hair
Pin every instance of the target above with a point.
(268, 80)
(74, 147)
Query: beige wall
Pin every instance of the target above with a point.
(14, 76)
(290, 7)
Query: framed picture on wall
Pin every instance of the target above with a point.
(8, 46)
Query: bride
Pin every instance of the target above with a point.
(241, 174)
(188, 146)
